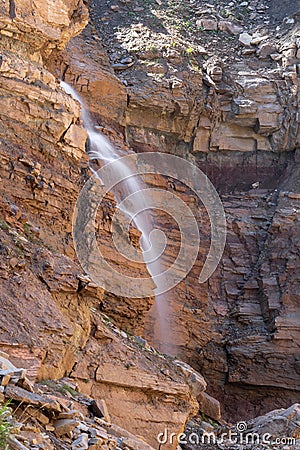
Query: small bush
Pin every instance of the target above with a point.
(5, 425)
(3, 225)
(64, 388)
(189, 51)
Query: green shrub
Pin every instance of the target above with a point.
(64, 388)
(3, 225)
(5, 425)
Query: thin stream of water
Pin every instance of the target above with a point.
(101, 149)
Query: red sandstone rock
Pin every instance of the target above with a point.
(209, 406)
(241, 328)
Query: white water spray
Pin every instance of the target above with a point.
(101, 149)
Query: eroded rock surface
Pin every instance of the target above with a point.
(231, 107)
(36, 29)
(235, 116)
(55, 415)
(48, 318)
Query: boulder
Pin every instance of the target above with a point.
(265, 50)
(64, 426)
(99, 409)
(209, 406)
(81, 443)
(21, 395)
(207, 24)
(230, 27)
(278, 423)
(245, 39)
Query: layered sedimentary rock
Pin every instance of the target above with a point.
(56, 415)
(48, 323)
(239, 124)
(42, 155)
(84, 64)
(39, 122)
(43, 159)
(37, 29)
(146, 392)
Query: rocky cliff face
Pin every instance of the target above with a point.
(222, 89)
(40, 135)
(56, 415)
(51, 321)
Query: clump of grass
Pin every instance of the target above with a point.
(205, 418)
(61, 388)
(194, 66)
(3, 225)
(189, 51)
(64, 388)
(5, 425)
(225, 13)
(26, 227)
(48, 383)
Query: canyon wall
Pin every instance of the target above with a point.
(51, 312)
(236, 118)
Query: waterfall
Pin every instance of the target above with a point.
(101, 149)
